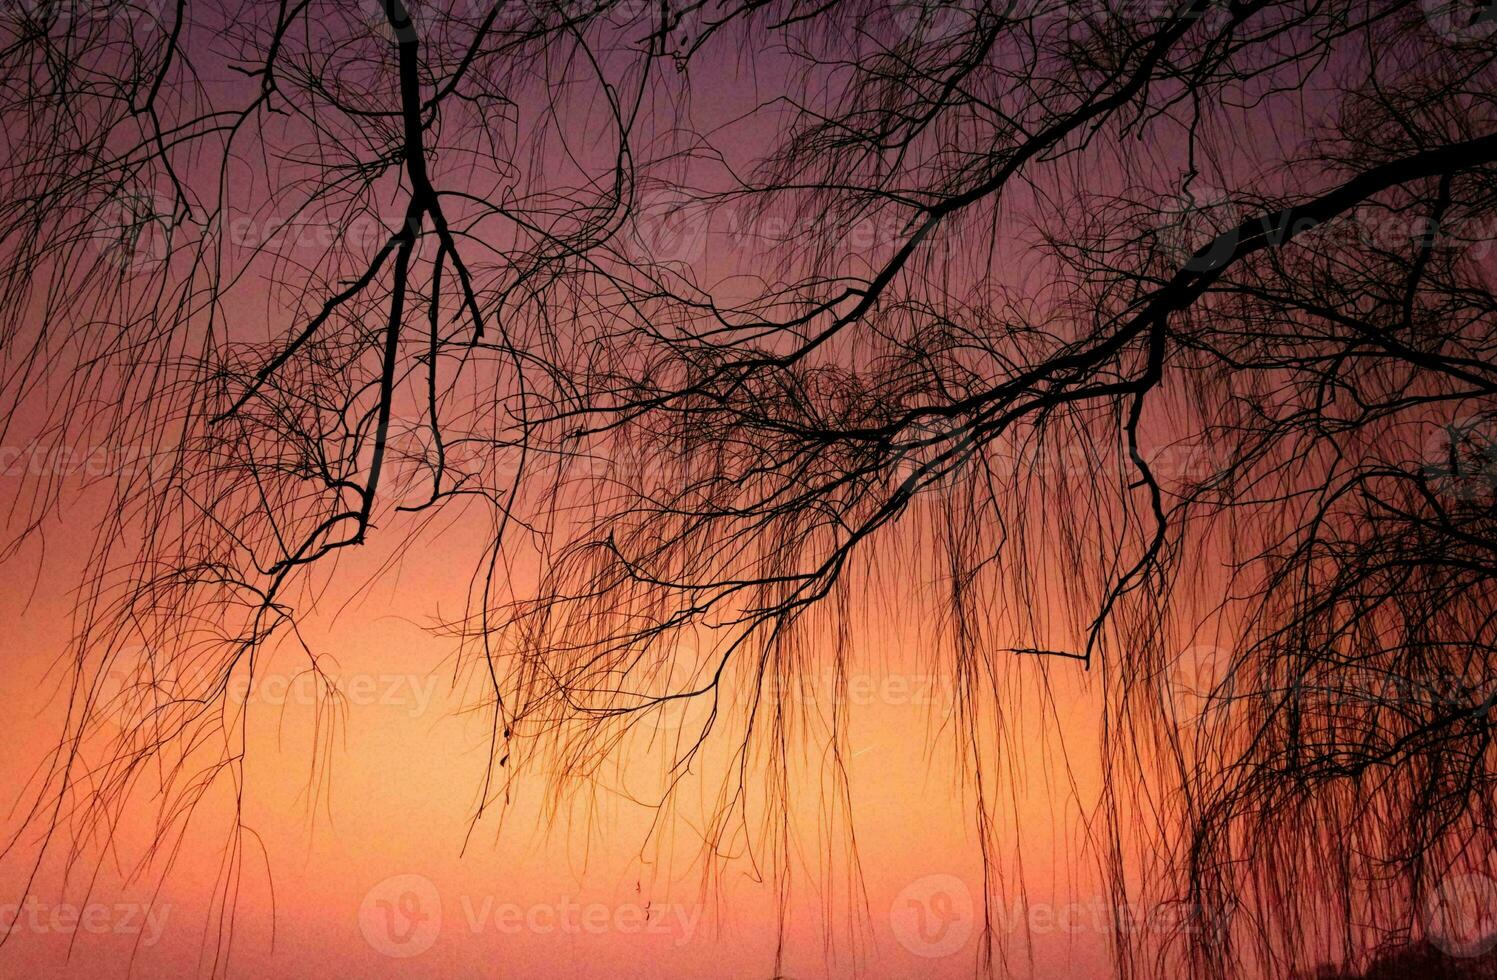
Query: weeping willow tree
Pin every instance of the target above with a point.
(1141, 329)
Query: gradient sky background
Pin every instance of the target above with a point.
(363, 859)
(402, 778)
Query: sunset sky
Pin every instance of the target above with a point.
(393, 819)
(595, 489)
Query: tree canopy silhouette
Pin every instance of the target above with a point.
(1139, 328)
